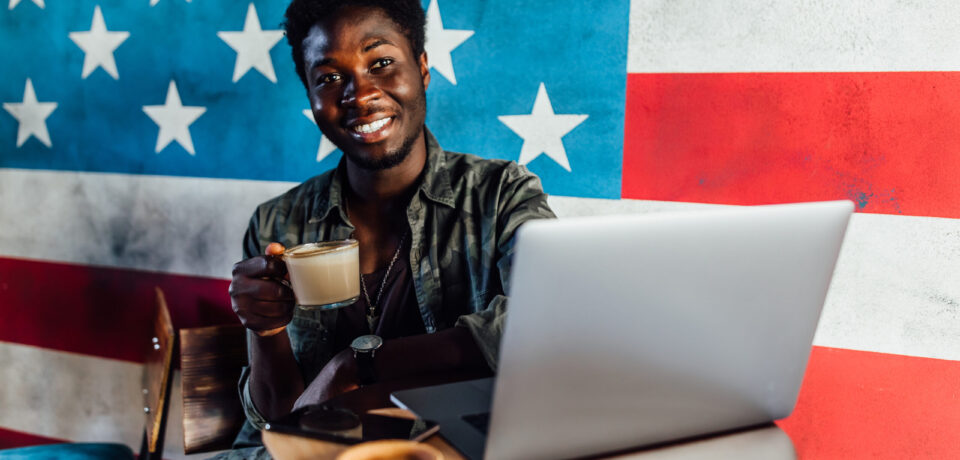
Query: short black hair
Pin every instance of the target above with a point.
(304, 14)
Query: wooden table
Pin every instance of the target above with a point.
(762, 443)
(291, 447)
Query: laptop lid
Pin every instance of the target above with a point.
(626, 331)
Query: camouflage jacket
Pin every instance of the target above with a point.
(462, 220)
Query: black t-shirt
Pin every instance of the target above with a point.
(398, 315)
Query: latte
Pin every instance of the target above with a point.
(324, 275)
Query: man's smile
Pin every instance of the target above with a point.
(370, 129)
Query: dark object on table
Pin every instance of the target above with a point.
(343, 426)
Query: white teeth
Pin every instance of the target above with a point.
(371, 127)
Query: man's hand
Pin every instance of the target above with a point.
(258, 295)
(337, 377)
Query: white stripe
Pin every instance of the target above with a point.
(179, 225)
(896, 288)
(80, 398)
(791, 36)
(70, 396)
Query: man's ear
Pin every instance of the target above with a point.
(424, 70)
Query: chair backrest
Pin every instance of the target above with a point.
(211, 359)
(157, 372)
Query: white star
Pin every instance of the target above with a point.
(326, 146)
(98, 45)
(154, 2)
(32, 116)
(174, 120)
(542, 130)
(441, 42)
(252, 46)
(14, 3)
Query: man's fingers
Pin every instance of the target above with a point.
(268, 312)
(264, 308)
(261, 289)
(261, 267)
(262, 301)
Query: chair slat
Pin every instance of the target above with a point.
(211, 359)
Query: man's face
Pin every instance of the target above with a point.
(366, 88)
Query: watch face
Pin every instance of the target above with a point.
(366, 343)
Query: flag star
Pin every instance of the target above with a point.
(174, 120)
(326, 146)
(252, 46)
(542, 131)
(32, 116)
(14, 3)
(98, 45)
(154, 2)
(441, 42)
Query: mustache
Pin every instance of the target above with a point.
(365, 112)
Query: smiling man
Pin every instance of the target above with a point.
(435, 228)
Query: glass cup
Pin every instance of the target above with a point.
(324, 275)
(392, 449)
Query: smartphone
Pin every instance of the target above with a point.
(346, 427)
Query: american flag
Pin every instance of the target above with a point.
(137, 136)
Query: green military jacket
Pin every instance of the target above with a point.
(462, 219)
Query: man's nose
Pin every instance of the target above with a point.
(359, 91)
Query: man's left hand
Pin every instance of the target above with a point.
(337, 377)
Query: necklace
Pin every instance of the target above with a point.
(373, 306)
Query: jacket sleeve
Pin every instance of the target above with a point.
(251, 248)
(521, 199)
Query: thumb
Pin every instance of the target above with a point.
(275, 249)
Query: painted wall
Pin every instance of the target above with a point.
(655, 105)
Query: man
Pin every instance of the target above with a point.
(435, 229)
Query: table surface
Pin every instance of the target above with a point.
(766, 442)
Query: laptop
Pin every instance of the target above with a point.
(630, 331)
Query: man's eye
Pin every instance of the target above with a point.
(328, 78)
(382, 62)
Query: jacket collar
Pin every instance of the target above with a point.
(436, 178)
(434, 183)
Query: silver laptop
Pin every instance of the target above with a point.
(627, 331)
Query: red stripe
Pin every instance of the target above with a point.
(857, 404)
(889, 141)
(10, 439)
(105, 312)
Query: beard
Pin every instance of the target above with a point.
(391, 159)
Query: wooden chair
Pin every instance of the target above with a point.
(211, 359)
(157, 372)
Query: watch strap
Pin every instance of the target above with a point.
(366, 373)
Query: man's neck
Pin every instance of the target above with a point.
(388, 189)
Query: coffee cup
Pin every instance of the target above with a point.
(391, 450)
(324, 275)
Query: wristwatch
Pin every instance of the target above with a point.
(364, 348)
